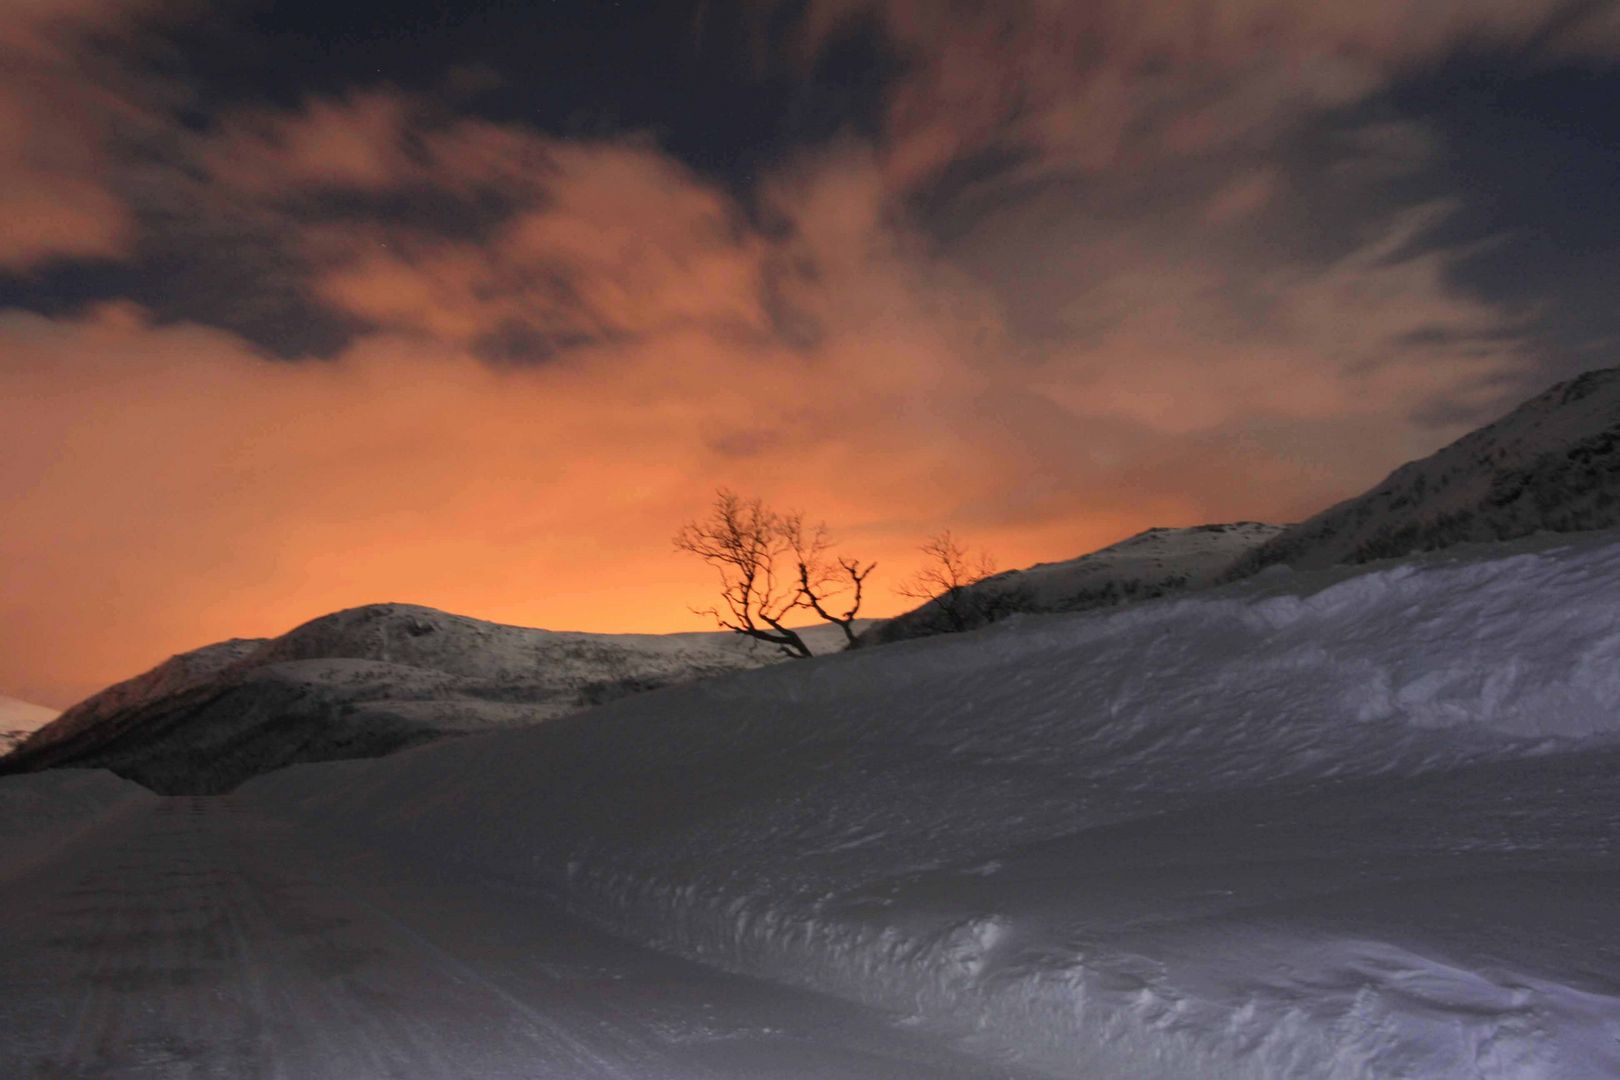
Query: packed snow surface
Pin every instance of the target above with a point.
(185, 939)
(39, 813)
(1353, 824)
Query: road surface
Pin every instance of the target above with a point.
(197, 938)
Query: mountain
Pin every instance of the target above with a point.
(1154, 563)
(1552, 464)
(359, 683)
(19, 719)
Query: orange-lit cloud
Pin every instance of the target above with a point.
(534, 405)
(174, 488)
(54, 123)
(1132, 84)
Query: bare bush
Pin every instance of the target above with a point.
(946, 579)
(771, 565)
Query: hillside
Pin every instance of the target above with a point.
(1552, 464)
(20, 719)
(1157, 562)
(358, 683)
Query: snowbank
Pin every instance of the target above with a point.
(1349, 826)
(41, 812)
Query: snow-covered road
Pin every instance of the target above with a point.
(198, 938)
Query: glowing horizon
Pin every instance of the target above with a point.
(458, 321)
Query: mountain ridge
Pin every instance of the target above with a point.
(1550, 464)
(360, 682)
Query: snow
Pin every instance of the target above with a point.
(174, 676)
(197, 938)
(1347, 824)
(1552, 464)
(40, 813)
(1197, 556)
(1153, 563)
(363, 682)
(24, 716)
(19, 719)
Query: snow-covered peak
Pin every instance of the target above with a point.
(366, 680)
(422, 637)
(175, 675)
(24, 715)
(1551, 464)
(19, 719)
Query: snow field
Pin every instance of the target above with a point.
(1339, 825)
(40, 813)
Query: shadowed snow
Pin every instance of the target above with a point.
(1353, 824)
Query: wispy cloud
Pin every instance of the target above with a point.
(1076, 286)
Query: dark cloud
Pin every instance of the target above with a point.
(1048, 272)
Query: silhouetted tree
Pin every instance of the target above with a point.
(771, 565)
(823, 575)
(946, 578)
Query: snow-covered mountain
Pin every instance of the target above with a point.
(1353, 823)
(1150, 564)
(362, 682)
(1551, 464)
(20, 719)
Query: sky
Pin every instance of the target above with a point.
(305, 305)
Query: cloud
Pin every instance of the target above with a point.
(356, 142)
(1133, 316)
(1127, 84)
(55, 122)
(616, 240)
(170, 471)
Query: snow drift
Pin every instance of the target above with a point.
(1353, 824)
(359, 683)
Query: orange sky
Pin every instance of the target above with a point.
(1065, 372)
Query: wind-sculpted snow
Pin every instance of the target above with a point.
(1343, 825)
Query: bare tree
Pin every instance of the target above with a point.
(771, 565)
(823, 575)
(946, 578)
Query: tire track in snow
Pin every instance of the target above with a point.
(200, 939)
